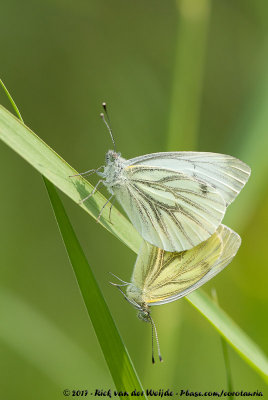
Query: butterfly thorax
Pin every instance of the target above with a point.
(135, 295)
(113, 170)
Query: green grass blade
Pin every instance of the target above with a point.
(12, 102)
(45, 160)
(234, 335)
(225, 353)
(115, 353)
(21, 139)
(227, 367)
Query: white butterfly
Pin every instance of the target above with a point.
(160, 277)
(175, 200)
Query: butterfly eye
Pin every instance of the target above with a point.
(109, 156)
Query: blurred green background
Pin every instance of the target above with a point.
(176, 76)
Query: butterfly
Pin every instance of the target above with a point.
(175, 200)
(160, 277)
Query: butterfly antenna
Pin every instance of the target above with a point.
(104, 106)
(157, 341)
(119, 278)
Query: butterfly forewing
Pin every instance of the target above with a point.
(226, 173)
(171, 210)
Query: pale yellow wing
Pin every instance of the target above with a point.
(163, 277)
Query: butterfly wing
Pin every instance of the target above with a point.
(225, 173)
(171, 210)
(163, 277)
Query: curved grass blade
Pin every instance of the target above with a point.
(115, 353)
(45, 160)
(12, 102)
(234, 335)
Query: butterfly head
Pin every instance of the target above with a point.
(111, 157)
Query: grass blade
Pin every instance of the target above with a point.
(22, 140)
(115, 353)
(234, 335)
(225, 354)
(12, 102)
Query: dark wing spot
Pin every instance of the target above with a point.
(204, 188)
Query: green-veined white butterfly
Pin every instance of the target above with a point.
(160, 277)
(175, 200)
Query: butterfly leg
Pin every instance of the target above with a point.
(92, 192)
(89, 172)
(98, 219)
(111, 206)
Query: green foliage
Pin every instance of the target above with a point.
(179, 75)
(56, 170)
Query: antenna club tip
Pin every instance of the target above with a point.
(103, 104)
(102, 115)
(153, 360)
(161, 359)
